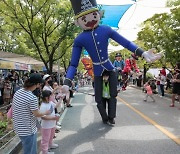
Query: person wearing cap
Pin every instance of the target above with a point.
(94, 39)
(25, 112)
(119, 66)
(119, 62)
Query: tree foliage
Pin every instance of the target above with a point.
(39, 27)
(162, 32)
(173, 2)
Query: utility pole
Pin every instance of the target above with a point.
(144, 75)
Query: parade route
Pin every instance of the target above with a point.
(166, 132)
(135, 130)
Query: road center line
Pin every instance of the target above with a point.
(162, 129)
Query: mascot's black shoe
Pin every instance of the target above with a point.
(69, 105)
(105, 121)
(111, 121)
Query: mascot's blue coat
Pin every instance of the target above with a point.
(96, 43)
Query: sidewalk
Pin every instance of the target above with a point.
(15, 146)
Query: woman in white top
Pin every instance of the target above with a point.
(49, 86)
(48, 82)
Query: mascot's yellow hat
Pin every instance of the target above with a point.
(83, 7)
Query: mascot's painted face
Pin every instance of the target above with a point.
(89, 21)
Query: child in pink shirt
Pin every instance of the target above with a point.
(149, 91)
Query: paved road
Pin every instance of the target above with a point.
(141, 127)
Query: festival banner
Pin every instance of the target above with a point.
(6, 64)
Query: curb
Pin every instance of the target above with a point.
(13, 147)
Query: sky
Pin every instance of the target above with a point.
(129, 25)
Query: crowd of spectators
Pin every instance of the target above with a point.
(38, 99)
(14, 80)
(167, 82)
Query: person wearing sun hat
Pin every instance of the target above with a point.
(94, 39)
(24, 112)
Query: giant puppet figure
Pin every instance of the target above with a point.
(94, 39)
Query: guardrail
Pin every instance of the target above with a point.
(6, 131)
(6, 139)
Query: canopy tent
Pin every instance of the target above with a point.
(128, 24)
(113, 11)
(9, 56)
(10, 60)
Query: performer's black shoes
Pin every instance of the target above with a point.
(69, 105)
(111, 121)
(105, 121)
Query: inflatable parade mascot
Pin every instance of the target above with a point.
(94, 39)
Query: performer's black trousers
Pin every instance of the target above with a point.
(98, 85)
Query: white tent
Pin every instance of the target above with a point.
(22, 59)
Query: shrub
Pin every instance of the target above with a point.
(149, 76)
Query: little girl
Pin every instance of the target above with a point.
(149, 91)
(48, 122)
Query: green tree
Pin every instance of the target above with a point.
(41, 27)
(162, 32)
(7, 40)
(173, 2)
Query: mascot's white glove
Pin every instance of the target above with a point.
(150, 57)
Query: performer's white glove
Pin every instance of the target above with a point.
(150, 57)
